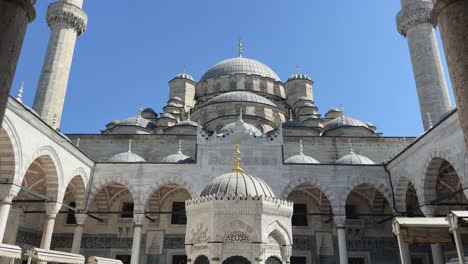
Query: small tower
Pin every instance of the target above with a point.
(414, 22)
(183, 86)
(299, 86)
(67, 21)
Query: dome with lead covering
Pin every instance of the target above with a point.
(344, 121)
(127, 156)
(240, 96)
(240, 65)
(301, 157)
(354, 159)
(299, 76)
(237, 183)
(178, 157)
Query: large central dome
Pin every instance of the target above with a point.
(240, 65)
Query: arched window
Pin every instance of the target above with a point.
(202, 260)
(273, 260)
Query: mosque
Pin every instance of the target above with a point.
(239, 166)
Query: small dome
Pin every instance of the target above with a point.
(174, 104)
(240, 65)
(126, 157)
(135, 121)
(184, 76)
(301, 158)
(240, 96)
(353, 158)
(299, 76)
(344, 121)
(237, 183)
(167, 115)
(149, 113)
(308, 104)
(178, 157)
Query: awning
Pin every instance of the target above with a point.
(98, 260)
(52, 256)
(423, 229)
(10, 251)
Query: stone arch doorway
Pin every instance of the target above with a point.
(273, 260)
(236, 260)
(202, 259)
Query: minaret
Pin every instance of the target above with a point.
(414, 22)
(67, 21)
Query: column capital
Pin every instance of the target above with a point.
(8, 192)
(80, 218)
(429, 210)
(411, 16)
(138, 219)
(340, 221)
(52, 209)
(62, 12)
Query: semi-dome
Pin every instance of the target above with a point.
(167, 115)
(344, 121)
(354, 159)
(240, 96)
(240, 65)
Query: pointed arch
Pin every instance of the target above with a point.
(98, 186)
(76, 187)
(401, 192)
(377, 184)
(325, 189)
(52, 167)
(281, 232)
(182, 181)
(10, 152)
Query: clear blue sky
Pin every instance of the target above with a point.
(131, 49)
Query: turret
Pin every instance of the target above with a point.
(67, 21)
(299, 86)
(183, 87)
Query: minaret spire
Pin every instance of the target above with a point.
(239, 46)
(19, 96)
(130, 145)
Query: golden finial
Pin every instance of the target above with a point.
(240, 47)
(237, 160)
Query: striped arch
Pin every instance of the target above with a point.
(378, 185)
(77, 187)
(182, 181)
(10, 152)
(330, 194)
(52, 169)
(401, 193)
(98, 186)
(431, 172)
(280, 232)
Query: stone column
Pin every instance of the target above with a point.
(452, 18)
(415, 23)
(76, 245)
(7, 193)
(14, 18)
(52, 210)
(436, 249)
(340, 222)
(137, 229)
(66, 20)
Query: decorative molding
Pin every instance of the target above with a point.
(61, 12)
